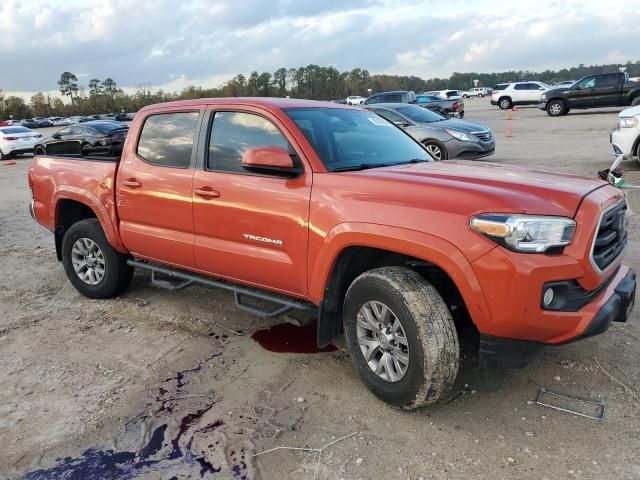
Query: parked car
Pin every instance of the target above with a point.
(40, 122)
(519, 93)
(625, 137)
(4, 123)
(78, 119)
(444, 106)
(563, 84)
(12, 123)
(332, 210)
(355, 100)
(593, 91)
(16, 140)
(29, 123)
(399, 96)
(96, 137)
(444, 138)
(476, 92)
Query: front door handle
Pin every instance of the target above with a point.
(132, 183)
(207, 192)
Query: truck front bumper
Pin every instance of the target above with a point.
(616, 306)
(514, 283)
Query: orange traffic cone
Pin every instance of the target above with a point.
(509, 114)
(509, 131)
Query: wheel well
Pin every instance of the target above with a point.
(503, 97)
(68, 213)
(559, 99)
(356, 260)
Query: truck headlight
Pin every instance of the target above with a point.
(628, 122)
(525, 233)
(460, 135)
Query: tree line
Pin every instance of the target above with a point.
(311, 82)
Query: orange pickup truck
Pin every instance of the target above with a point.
(302, 205)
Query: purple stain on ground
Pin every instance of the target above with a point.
(107, 464)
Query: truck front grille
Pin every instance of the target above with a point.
(611, 237)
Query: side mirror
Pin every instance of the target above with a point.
(401, 124)
(56, 136)
(269, 160)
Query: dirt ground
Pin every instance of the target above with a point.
(155, 385)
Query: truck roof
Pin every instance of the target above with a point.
(268, 102)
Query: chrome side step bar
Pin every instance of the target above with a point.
(184, 279)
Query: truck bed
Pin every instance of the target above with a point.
(86, 179)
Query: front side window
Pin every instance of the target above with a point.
(346, 139)
(167, 139)
(374, 99)
(588, 82)
(232, 133)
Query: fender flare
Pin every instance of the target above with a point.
(423, 246)
(68, 192)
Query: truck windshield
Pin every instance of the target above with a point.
(355, 139)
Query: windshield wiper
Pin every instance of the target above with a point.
(361, 166)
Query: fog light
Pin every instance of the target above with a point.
(547, 298)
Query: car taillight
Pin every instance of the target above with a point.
(455, 106)
(8, 139)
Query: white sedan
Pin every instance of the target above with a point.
(625, 138)
(17, 140)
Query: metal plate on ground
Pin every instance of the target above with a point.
(581, 406)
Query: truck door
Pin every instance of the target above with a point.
(154, 188)
(250, 227)
(582, 94)
(608, 89)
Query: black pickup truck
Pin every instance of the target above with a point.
(593, 91)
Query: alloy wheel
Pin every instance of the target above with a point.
(88, 261)
(382, 341)
(434, 151)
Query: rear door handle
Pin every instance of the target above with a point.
(132, 183)
(207, 192)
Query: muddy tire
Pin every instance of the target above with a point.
(393, 311)
(94, 268)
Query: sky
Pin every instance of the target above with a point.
(171, 44)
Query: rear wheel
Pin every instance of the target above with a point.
(401, 337)
(4, 156)
(92, 265)
(505, 103)
(436, 150)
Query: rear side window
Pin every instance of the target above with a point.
(167, 139)
(393, 98)
(501, 86)
(609, 80)
(232, 133)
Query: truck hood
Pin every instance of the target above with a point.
(492, 187)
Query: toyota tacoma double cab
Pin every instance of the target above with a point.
(593, 91)
(331, 209)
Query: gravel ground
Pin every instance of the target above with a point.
(154, 384)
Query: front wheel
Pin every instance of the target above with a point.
(505, 103)
(555, 108)
(635, 102)
(39, 150)
(436, 150)
(92, 265)
(401, 337)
